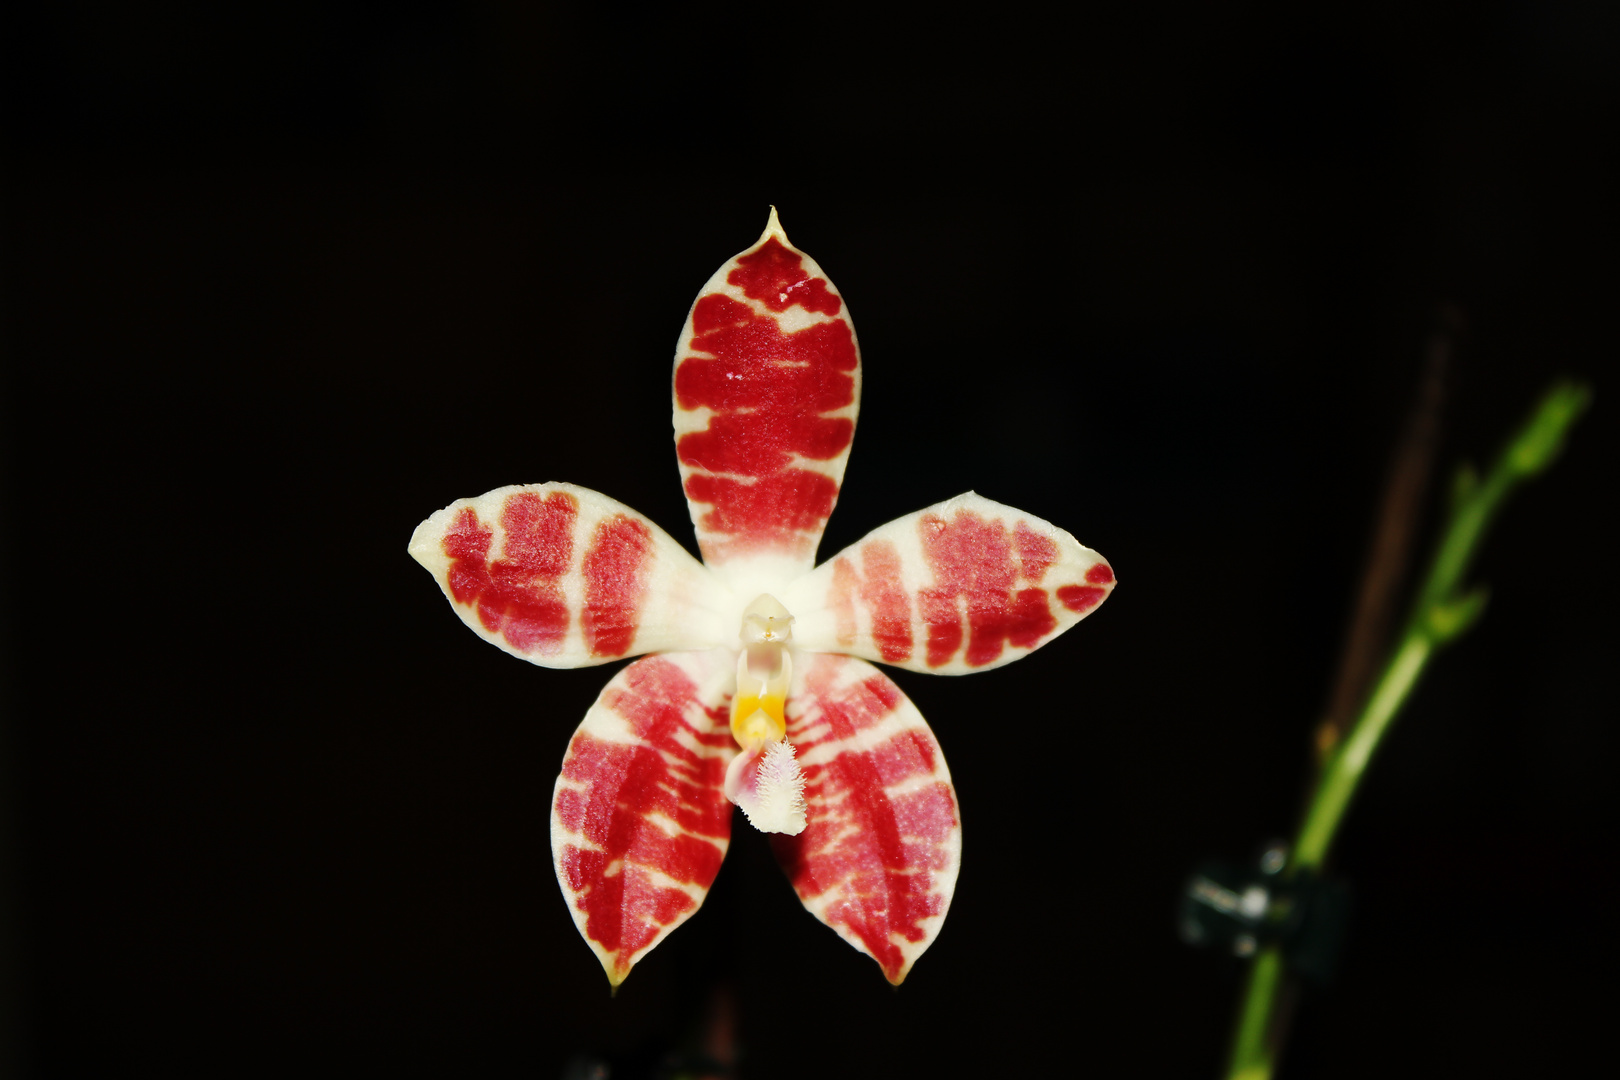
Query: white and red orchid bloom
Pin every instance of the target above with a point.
(758, 691)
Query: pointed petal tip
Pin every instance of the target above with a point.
(773, 227)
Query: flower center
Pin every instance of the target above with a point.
(765, 779)
(764, 672)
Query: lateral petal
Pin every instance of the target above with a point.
(767, 386)
(964, 585)
(878, 857)
(566, 577)
(639, 820)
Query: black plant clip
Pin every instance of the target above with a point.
(1239, 910)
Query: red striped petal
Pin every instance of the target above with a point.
(964, 585)
(767, 385)
(877, 860)
(639, 820)
(566, 577)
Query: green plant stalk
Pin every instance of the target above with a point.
(1440, 615)
(1251, 1053)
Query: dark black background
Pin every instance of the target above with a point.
(282, 280)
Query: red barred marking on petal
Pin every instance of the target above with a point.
(1081, 598)
(841, 599)
(565, 577)
(775, 276)
(963, 585)
(517, 596)
(878, 858)
(1029, 619)
(466, 543)
(1035, 552)
(756, 365)
(880, 592)
(971, 559)
(615, 583)
(768, 391)
(774, 509)
(467, 537)
(938, 609)
(886, 600)
(639, 827)
(766, 382)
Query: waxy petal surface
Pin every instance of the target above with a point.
(878, 858)
(962, 586)
(639, 821)
(566, 577)
(767, 385)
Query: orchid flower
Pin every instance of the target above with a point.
(758, 689)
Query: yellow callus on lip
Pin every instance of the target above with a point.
(756, 720)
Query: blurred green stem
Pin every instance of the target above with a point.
(1442, 612)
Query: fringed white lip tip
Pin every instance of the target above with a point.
(769, 786)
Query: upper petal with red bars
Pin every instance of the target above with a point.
(878, 857)
(767, 385)
(639, 820)
(964, 585)
(566, 577)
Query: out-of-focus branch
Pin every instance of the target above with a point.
(1389, 553)
(1444, 610)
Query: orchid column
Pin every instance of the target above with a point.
(758, 691)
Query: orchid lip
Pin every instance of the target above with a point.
(767, 783)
